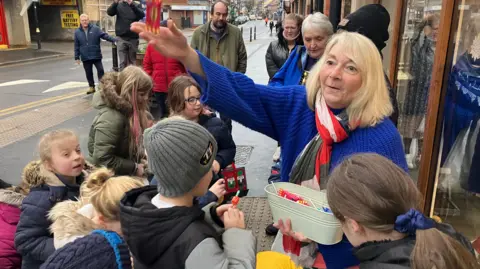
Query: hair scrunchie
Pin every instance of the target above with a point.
(412, 221)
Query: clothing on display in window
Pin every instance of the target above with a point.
(415, 104)
(462, 112)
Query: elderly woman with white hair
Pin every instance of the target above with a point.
(316, 30)
(343, 110)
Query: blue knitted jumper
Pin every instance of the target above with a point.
(282, 113)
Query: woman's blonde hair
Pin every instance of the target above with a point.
(371, 103)
(373, 191)
(48, 139)
(104, 192)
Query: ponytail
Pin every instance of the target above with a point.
(105, 191)
(436, 249)
(94, 183)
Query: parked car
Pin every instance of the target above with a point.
(253, 17)
(241, 20)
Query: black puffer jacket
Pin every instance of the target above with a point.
(226, 146)
(396, 254)
(275, 57)
(277, 52)
(126, 15)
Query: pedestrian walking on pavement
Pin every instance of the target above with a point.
(271, 27)
(222, 43)
(127, 12)
(88, 49)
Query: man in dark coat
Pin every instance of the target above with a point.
(87, 49)
(127, 12)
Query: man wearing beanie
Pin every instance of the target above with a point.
(372, 21)
(98, 250)
(160, 223)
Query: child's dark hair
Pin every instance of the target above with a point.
(176, 93)
(373, 191)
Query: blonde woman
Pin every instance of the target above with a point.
(343, 110)
(95, 240)
(115, 139)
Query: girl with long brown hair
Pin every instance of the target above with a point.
(377, 204)
(115, 139)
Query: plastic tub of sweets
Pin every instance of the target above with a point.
(315, 221)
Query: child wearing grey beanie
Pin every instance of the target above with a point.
(161, 225)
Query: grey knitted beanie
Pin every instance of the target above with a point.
(180, 152)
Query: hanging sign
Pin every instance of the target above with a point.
(59, 2)
(70, 18)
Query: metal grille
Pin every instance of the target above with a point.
(243, 155)
(257, 217)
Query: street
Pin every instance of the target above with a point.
(40, 96)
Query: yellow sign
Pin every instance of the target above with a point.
(59, 2)
(70, 18)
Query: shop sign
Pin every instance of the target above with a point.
(59, 2)
(70, 18)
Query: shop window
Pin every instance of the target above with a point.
(417, 51)
(457, 196)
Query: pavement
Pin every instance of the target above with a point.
(49, 50)
(40, 96)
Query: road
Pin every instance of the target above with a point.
(49, 94)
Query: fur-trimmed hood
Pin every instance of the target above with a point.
(11, 197)
(68, 224)
(109, 96)
(35, 174)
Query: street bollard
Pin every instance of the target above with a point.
(114, 57)
(250, 34)
(255, 33)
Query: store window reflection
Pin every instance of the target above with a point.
(457, 199)
(414, 73)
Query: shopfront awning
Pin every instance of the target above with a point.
(177, 7)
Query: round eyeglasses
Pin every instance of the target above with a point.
(192, 100)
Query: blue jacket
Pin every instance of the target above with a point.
(282, 113)
(33, 239)
(292, 70)
(90, 49)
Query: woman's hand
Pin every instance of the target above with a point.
(169, 41)
(219, 188)
(286, 229)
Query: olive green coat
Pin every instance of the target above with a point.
(229, 51)
(108, 139)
